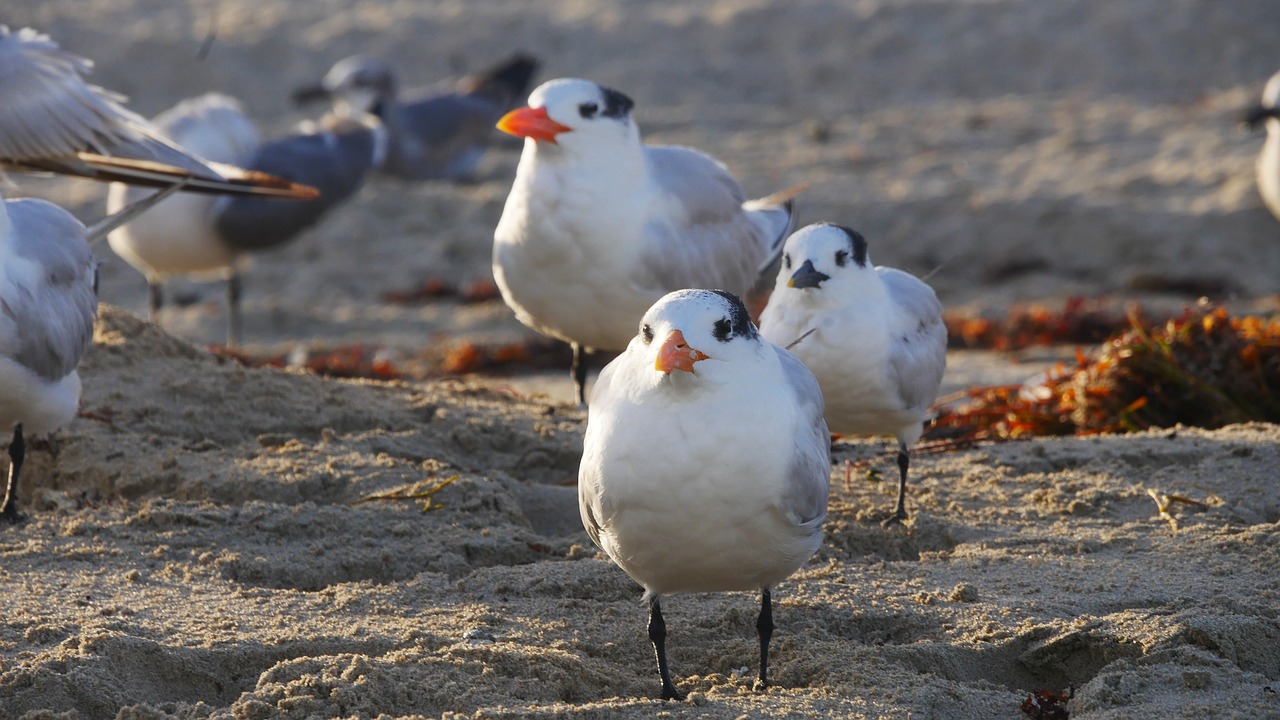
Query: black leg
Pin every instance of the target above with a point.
(658, 636)
(579, 373)
(900, 512)
(233, 309)
(17, 450)
(157, 299)
(764, 627)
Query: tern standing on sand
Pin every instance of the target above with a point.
(873, 336)
(203, 235)
(47, 306)
(706, 462)
(48, 301)
(599, 226)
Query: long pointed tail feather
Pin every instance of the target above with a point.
(758, 296)
(507, 81)
(153, 174)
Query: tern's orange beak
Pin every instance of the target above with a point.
(527, 122)
(675, 354)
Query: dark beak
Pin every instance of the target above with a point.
(1256, 115)
(309, 94)
(807, 277)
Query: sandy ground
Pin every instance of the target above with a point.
(195, 550)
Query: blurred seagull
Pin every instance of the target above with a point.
(1268, 168)
(873, 336)
(52, 121)
(706, 460)
(438, 134)
(48, 301)
(201, 235)
(598, 226)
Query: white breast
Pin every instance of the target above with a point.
(562, 254)
(174, 237)
(692, 489)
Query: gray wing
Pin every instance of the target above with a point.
(506, 82)
(51, 120)
(590, 498)
(810, 473)
(440, 119)
(483, 97)
(48, 109)
(53, 312)
(919, 354)
(702, 236)
(443, 133)
(444, 136)
(213, 126)
(335, 163)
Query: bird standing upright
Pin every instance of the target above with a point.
(599, 226)
(48, 300)
(873, 336)
(47, 307)
(203, 235)
(705, 465)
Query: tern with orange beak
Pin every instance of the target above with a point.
(599, 226)
(706, 460)
(873, 336)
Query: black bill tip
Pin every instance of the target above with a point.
(806, 276)
(308, 94)
(1255, 116)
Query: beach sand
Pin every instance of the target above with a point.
(197, 546)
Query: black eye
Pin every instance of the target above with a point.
(588, 110)
(786, 261)
(842, 257)
(646, 332)
(722, 329)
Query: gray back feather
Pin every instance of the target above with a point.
(335, 163)
(922, 358)
(60, 115)
(807, 499)
(588, 489)
(439, 119)
(441, 133)
(48, 110)
(439, 138)
(718, 245)
(54, 315)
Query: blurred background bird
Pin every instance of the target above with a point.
(873, 336)
(202, 236)
(435, 134)
(1267, 114)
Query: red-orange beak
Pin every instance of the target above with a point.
(527, 122)
(675, 354)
